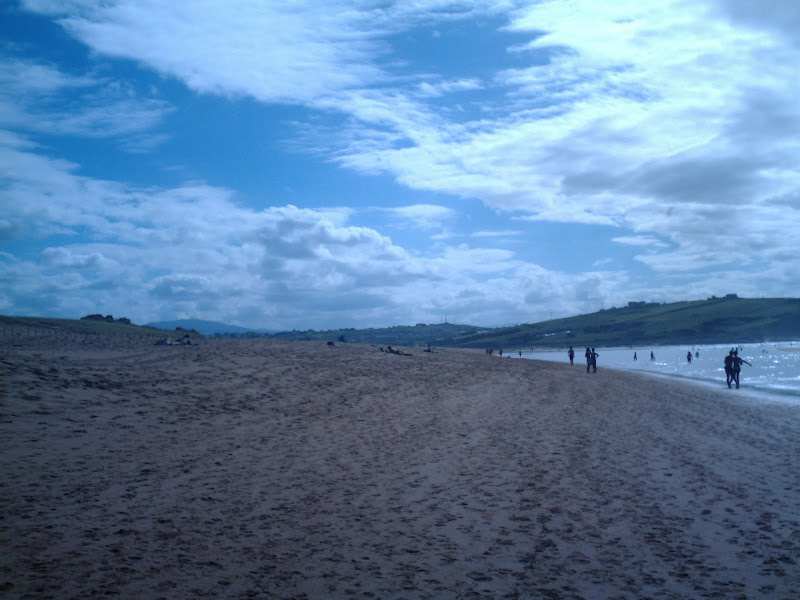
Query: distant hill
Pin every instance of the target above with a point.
(204, 327)
(716, 320)
(400, 335)
(723, 320)
(84, 326)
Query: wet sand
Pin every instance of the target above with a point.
(260, 469)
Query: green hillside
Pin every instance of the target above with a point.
(88, 327)
(715, 320)
(401, 335)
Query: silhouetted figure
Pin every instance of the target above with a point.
(594, 356)
(729, 368)
(689, 357)
(697, 354)
(571, 354)
(737, 367)
(588, 355)
(652, 356)
(634, 356)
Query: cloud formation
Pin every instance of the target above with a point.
(674, 125)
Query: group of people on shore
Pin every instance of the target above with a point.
(733, 366)
(591, 359)
(733, 362)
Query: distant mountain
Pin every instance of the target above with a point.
(204, 327)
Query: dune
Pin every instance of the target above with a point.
(264, 469)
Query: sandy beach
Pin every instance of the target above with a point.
(260, 469)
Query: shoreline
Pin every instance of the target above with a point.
(758, 385)
(269, 469)
(785, 346)
(771, 395)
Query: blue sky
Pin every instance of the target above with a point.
(333, 164)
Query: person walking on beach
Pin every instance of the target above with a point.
(571, 354)
(737, 367)
(729, 368)
(588, 355)
(634, 356)
(652, 356)
(594, 356)
(689, 357)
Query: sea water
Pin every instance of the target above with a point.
(774, 369)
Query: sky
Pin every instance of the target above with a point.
(303, 164)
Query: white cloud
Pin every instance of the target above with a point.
(675, 122)
(272, 51)
(185, 249)
(639, 240)
(423, 216)
(659, 113)
(42, 98)
(440, 88)
(191, 251)
(69, 258)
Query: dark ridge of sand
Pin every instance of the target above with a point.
(261, 469)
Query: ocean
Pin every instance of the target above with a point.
(774, 374)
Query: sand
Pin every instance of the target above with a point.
(260, 469)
